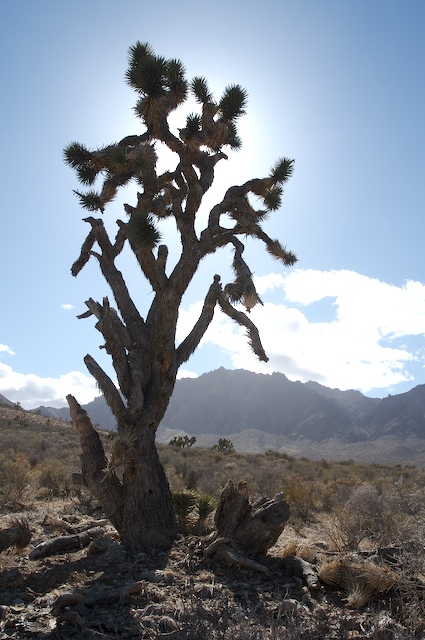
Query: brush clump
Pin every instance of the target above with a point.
(360, 580)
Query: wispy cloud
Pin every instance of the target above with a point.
(5, 349)
(67, 306)
(357, 347)
(32, 391)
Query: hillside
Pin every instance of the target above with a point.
(259, 412)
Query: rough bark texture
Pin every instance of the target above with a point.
(243, 527)
(131, 486)
(139, 505)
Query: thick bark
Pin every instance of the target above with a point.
(148, 515)
(140, 505)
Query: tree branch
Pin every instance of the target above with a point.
(190, 343)
(274, 248)
(104, 484)
(117, 341)
(84, 254)
(144, 257)
(114, 278)
(108, 389)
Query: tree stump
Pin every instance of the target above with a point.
(245, 530)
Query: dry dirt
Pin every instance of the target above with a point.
(182, 595)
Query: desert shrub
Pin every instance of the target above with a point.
(266, 476)
(15, 477)
(338, 491)
(191, 479)
(301, 498)
(406, 497)
(362, 516)
(187, 470)
(54, 476)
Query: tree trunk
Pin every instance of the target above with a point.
(148, 514)
(245, 528)
(140, 505)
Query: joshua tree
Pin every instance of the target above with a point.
(223, 445)
(182, 442)
(132, 486)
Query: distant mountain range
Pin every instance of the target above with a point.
(259, 412)
(5, 401)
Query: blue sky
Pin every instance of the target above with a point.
(337, 85)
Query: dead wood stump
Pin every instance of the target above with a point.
(244, 530)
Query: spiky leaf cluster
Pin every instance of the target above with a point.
(118, 163)
(80, 158)
(282, 170)
(279, 252)
(193, 126)
(217, 126)
(233, 102)
(90, 201)
(200, 90)
(143, 229)
(273, 198)
(154, 77)
(234, 141)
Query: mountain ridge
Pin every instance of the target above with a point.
(260, 411)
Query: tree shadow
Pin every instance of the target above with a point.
(104, 586)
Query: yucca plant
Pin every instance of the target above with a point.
(184, 502)
(205, 506)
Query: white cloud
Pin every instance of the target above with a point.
(270, 281)
(362, 301)
(5, 349)
(33, 391)
(354, 349)
(367, 342)
(183, 373)
(67, 306)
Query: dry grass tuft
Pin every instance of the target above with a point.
(331, 572)
(360, 580)
(359, 592)
(18, 535)
(289, 550)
